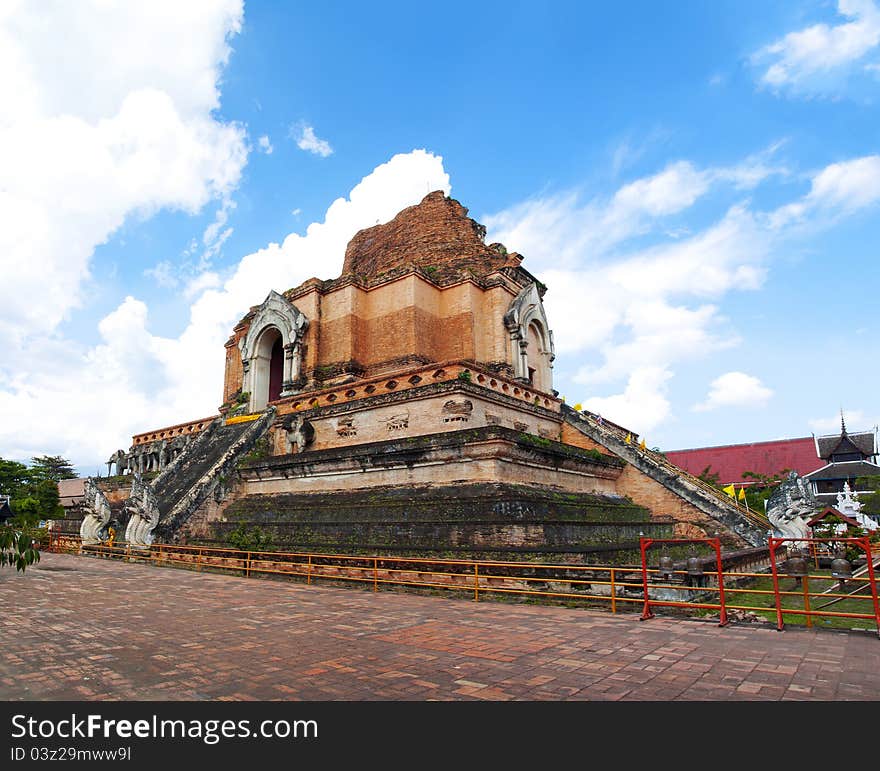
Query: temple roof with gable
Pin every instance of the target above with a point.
(830, 511)
(862, 442)
(846, 470)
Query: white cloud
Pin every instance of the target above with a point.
(85, 145)
(643, 403)
(557, 231)
(164, 274)
(672, 190)
(735, 389)
(632, 310)
(207, 280)
(623, 307)
(660, 334)
(837, 190)
(265, 145)
(196, 260)
(724, 256)
(848, 186)
(216, 234)
(136, 380)
(815, 58)
(751, 172)
(306, 140)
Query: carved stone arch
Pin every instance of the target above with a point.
(531, 339)
(277, 318)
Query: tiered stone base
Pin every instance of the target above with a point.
(476, 520)
(488, 492)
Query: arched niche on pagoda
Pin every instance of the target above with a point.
(271, 351)
(531, 340)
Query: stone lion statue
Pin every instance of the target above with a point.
(300, 434)
(143, 514)
(97, 514)
(790, 507)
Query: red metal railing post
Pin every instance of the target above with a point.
(865, 543)
(722, 621)
(644, 543)
(375, 574)
(774, 543)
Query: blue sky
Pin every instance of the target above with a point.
(698, 184)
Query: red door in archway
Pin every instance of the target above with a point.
(276, 370)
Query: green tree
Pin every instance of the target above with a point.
(14, 478)
(762, 486)
(249, 539)
(16, 548)
(33, 491)
(709, 477)
(827, 528)
(40, 501)
(870, 501)
(52, 467)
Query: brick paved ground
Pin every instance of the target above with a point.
(91, 629)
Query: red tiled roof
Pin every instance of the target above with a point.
(730, 461)
(70, 491)
(831, 510)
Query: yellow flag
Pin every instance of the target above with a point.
(642, 445)
(730, 490)
(629, 439)
(742, 493)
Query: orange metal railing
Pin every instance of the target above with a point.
(619, 587)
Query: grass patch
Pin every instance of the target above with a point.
(818, 582)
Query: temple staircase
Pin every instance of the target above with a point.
(170, 499)
(751, 525)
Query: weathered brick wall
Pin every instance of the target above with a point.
(365, 331)
(575, 438)
(421, 288)
(664, 490)
(690, 521)
(234, 372)
(116, 489)
(664, 503)
(436, 233)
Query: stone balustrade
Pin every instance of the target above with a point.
(433, 373)
(169, 432)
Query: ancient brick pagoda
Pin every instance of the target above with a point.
(406, 406)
